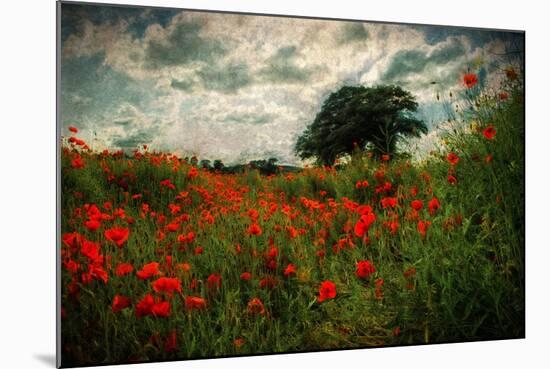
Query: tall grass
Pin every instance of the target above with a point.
(464, 280)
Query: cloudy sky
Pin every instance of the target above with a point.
(240, 87)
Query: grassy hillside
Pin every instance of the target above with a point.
(162, 260)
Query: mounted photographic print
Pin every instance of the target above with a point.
(242, 184)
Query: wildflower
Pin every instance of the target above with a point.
(161, 309)
(290, 270)
(363, 224)
(117, 235)
(120, 302)
(238, 342)
(423, 227)
(92, 225)
(123, 269)
(364, 269)
(433, 205)
(145, 306)
(254, 229)
(451, 179)
(148, 271)
(417, 205)
(91, 251)
(470, 80)
(388, 202)
(453, 158)
(503, 96)
(409, 272)
(194, 302)
(171, 343)
(168, 285)
(255, 306)
(378, 288)
(327, 290)
(489, 132)
(214, 281)
(73, 129)
(78, 162)
(245, 276)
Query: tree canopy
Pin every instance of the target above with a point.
(356, 116)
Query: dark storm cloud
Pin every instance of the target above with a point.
(353, 32)
(89, 87)
(183, 85)
(183, 46)
(249, 118)
(281, 67)
(407, 62)
(137, 18)
(225, 78)
(133, 140)
(478, 37)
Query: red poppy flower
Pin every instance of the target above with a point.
(254, 229)
(194, 302)
(117, 235)
(433, 205)
(78, 162)
(327, 290)
(453, 158)
(364, 269)
(245, 276)
(168, 285)
(71, 240)
(451, 179)
(290, 270)
(503, 95)
(214, 281)
(255, 306)
(73, 129)
(489, 132)
(423, 227)
(185, 267)
(148, 271)
(388, 202)
(470, 80)
(171, 342)
(145, 306)
(378, 288)
(238, 342)
(161, 309)
(363, 224)
(409, 272)
(124, 269)
(92, 225)
(120, 302)
(417, 205)
(91, 251)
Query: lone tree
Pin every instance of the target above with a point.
(375, 117)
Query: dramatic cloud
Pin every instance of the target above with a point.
(238, 87)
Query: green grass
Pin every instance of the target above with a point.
(469, 281)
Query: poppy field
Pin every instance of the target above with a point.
(163, 259)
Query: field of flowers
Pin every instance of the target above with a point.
(163, 260)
